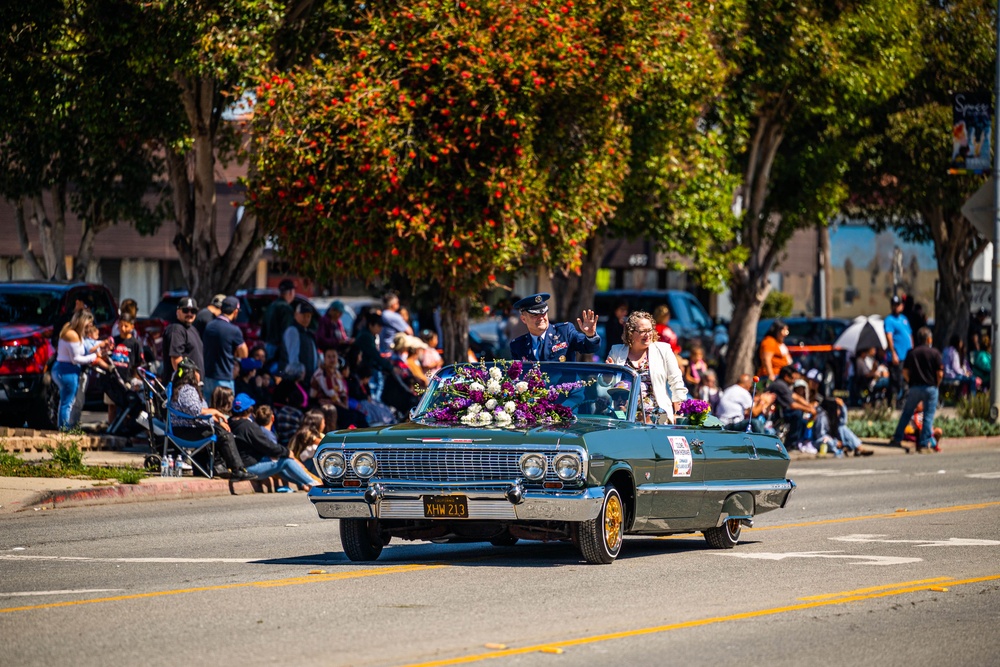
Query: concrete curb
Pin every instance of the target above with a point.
(150, 490)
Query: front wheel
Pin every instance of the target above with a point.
(601, 538)
(725, 536)
(360, 538)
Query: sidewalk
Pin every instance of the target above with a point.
(43, 493)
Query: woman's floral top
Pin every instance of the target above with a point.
(646, 398)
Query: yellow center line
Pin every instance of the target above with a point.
(292, 581)
(826, 596)
(692, 624)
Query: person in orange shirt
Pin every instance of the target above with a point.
(773, 352)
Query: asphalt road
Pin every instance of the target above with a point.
(879, 561)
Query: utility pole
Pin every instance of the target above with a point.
(995, 344)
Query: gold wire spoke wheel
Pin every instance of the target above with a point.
(613, 522)
(600, 538)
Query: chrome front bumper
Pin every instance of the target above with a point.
(401, 500)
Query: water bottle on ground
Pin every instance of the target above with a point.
(179, 466)
(170, 466)
(164, 468)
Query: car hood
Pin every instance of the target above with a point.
(12, 331)
(410, 433)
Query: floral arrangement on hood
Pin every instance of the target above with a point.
(502, 394)
(695, 410)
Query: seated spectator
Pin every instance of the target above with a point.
(329, 389)
(246, 381)
(375, 412)
(186, 397)
(290, 401)
(407, 349)
(773, 352)
(430, 358)
(303, 446)
(956, 366)
(262, 457)
(869, 374)
(791, 407)
(834, 417)
(661, 317)
(708, 390)
(264, 416)
(737, 406)
(911, 431)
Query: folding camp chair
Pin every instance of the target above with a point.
(188, 449)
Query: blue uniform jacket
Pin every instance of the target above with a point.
(559, 342)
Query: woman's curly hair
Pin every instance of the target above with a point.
(631, 324)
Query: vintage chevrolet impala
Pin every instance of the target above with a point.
(550, 451)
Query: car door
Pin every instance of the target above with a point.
(679, 484)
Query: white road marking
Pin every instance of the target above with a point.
(857, 559)
(807, 472)
(985, 475)
(132, 560)
(73, 592)
(950, 542)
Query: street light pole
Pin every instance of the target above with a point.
(995, 344)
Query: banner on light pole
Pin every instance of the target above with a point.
(971, 133)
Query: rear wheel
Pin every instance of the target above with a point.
(601, 538)
(361, 539)
(725, 536)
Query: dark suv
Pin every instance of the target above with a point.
(688, 317)
(30, 313)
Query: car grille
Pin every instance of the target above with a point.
(438, 464)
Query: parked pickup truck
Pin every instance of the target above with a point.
(31, 314)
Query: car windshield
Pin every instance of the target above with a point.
(584, 390)
(29, 307)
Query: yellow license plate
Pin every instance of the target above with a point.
(446, 507)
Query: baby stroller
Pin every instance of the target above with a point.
(152, 416)
(129, 403)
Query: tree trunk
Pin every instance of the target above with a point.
(957, 245)
(749, 289)
(573, 292)
(454, 328)
(206, 270)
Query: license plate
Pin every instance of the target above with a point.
(446, 507)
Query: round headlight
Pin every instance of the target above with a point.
(333, 465)
(364, 464)
(533, 466)
(567, 467)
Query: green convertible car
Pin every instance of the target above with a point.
(507, 451)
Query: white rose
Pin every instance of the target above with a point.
(475, 409)
(468, 419)
(503, 418)
(521, 387)
(491, 404)
(493, 387)
(496, 373)
(475, 386)
(485, 418)
(510, 407)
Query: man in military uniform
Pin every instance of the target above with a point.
(552, 342)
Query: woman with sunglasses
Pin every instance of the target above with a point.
(660, 377)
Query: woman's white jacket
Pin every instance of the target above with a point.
(664, 371)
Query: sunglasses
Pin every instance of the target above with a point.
(188, 311)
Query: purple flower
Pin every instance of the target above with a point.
(693, 406)
(514, 371)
